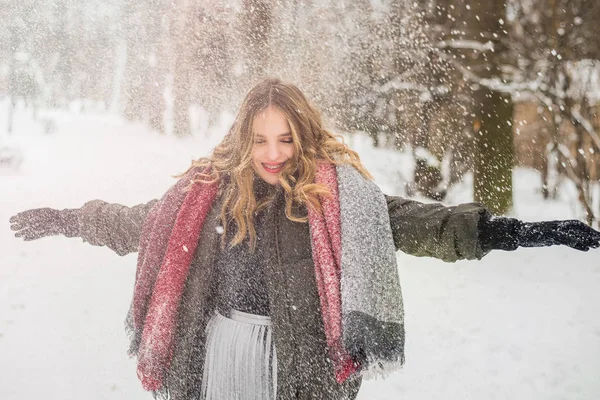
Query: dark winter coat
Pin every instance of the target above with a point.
(304, 369)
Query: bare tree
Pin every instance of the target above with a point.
(558, 44)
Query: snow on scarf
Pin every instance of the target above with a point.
(355, 269)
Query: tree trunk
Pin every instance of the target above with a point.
(157, 66)
(258, 17)
(494, 109)
(133, 78)
(492, 178)
(183, 37)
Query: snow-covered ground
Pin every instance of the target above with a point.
(518, 325)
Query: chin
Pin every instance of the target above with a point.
(272, 181)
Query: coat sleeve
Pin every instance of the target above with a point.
(115, 226)
(434, 230)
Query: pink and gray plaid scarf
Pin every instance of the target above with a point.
(355, 269)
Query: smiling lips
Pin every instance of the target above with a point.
(273, 168)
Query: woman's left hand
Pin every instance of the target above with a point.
(572, 233)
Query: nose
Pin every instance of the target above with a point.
(273, 152)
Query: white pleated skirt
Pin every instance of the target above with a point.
(241, 360)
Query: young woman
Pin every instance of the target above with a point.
(268, 271)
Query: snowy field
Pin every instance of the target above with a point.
(518, 325)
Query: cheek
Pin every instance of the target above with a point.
(255, 155)
(289, 151)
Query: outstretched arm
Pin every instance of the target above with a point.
(99, 223)
(434, 230)
(469, 231)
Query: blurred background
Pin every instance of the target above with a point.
(468, 86)
(444, 100)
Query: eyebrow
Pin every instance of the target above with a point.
(280, 135)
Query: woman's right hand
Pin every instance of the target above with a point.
(40, 222)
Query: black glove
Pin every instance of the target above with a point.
(572, 233)
(509, 233)
(41, 222)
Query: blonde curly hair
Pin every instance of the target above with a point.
(231, 164)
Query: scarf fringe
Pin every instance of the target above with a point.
(381, 369)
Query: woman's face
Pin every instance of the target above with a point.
(273, 144)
